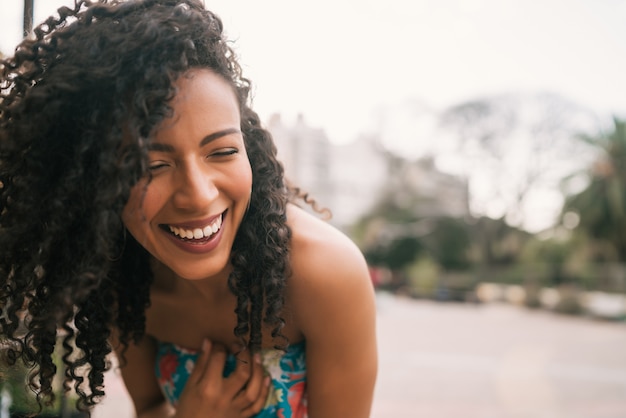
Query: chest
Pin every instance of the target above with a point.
(187, 320)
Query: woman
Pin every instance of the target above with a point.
(143, 211)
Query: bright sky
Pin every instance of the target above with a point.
(336, 61)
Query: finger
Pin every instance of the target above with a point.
(261, 399)
(201, 362)
(239, 378)
(255, 383)
(251, 392)
(214, 368)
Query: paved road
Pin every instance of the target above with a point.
(483, 361)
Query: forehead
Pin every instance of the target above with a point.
(203, 100)
(202, 85)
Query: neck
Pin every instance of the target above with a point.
(214, 288)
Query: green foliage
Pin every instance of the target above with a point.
(423, 277)
(449, 243)
(23, 400)
(13, 381)
(395, 255)
(601, 205)
(550, 251)
(496, 243)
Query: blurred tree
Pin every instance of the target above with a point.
(394, 235)
(601, 206)
(515, 150)
(496, 243)
(396, 255)
(449, 243)
(390, 233)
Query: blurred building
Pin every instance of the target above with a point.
(434, 192)
(345, 178)
(351, 178)
(305, 153)
(359, 171)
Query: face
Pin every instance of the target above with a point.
(187, 216)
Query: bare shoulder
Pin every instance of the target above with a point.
(332, 300)
(320, 252)
(327, 266)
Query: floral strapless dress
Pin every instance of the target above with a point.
(287, 396)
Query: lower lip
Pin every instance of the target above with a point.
(197, 247)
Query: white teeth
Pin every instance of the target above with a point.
(198, 233)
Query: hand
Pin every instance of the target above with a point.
(208, 394)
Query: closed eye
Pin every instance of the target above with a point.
(155, 166)
(224, 152)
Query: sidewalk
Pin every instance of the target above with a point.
(447, 360)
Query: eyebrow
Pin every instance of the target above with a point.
(156, 146)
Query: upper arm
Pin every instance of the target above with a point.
(335, 309)
(137, 367)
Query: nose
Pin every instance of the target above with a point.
(195, 188)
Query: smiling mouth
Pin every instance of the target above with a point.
(195, 234)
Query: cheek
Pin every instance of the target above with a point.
(240, 179)
(138, 209)
(132, 211)
(247, 180)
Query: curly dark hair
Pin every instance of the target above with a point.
(89, 77)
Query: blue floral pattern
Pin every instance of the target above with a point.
(287, 397)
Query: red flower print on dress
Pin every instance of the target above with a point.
(168, 365)
(296, 392)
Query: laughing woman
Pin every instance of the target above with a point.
(143, 211)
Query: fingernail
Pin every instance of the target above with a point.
(266, 381)
(257, 358)
(206, 345)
